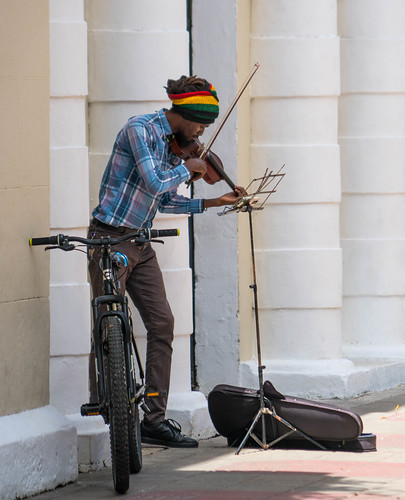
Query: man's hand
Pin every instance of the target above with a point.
(226, 199)
(197, 168)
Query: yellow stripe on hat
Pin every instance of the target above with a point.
(197, 99)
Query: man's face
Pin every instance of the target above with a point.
(189, 131)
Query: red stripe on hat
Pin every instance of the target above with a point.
(188, 94)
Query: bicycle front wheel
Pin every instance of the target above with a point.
(135, 446)
(118, 410)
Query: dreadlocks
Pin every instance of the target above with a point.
(186, 84)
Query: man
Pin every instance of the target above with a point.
(141, 177)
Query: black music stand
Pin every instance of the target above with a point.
(255, 201)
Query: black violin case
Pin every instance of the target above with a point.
(291, 422)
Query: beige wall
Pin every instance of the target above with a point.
(24, 204)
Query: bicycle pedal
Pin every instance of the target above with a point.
(90, 409)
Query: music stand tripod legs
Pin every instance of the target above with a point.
(264, 410)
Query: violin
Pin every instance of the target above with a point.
(215, 169)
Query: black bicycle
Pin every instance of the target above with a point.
(119, 372)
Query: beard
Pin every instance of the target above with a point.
(182, 141)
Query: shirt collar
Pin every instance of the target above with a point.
(167, 130)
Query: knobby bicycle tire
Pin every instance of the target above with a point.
(118, 410)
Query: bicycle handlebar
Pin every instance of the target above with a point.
(62, 240)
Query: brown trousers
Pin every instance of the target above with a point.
(142, 280)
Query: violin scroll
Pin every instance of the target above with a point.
(215, 169)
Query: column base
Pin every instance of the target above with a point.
(93, 442)
(38, 452)
(190, 409)
(374, 352)
(326, 379)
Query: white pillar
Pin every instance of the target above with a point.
(216, 238)
(69, 290)
(298, 255)
(372, 139)
(133, 51)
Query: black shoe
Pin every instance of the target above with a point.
(166, 433)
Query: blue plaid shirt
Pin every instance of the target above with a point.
(142, 176)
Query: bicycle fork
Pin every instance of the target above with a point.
(135, 392)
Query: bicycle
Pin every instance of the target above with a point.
(116, 354)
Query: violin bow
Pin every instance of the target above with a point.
(229, 111)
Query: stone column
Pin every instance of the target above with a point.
(298, 255)
(133, 51)
(372, 139)
(69, 290)
(216, 238)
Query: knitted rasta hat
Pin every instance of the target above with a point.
(200, 106)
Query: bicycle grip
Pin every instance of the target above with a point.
(161, 233)
(50, 240)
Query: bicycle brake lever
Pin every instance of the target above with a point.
(139, 241)
(64, 247)
(142, 241)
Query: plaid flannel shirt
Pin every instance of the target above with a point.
(142, 176)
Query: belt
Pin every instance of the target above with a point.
(114, 229)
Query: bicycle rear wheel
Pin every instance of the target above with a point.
(118, 410)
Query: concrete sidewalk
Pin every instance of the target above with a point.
(213, 471)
